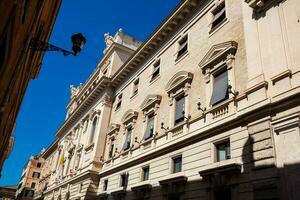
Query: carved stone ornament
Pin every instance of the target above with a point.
(150, 102)
(113, 128)
(179, 80)
(129, 116)
(74, 91)
(218, 53)
(259, 5)
(94, 112)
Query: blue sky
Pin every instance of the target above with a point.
(43, 108)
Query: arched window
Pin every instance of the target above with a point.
(94, 125)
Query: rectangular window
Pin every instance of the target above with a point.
(150, 127)
(223, 150)
(29, 193)
(135, 87)
(156, 70)
(33, 185)
(105, 72)
(179, 109)
(36, 175)
(111, 148)
(127, 139)
(119, 101)
(183, 46)
(145, 173)
(219, 15)
(220, 88)
(38, 165)
(123, 180)
(177, 164)
(105, 183)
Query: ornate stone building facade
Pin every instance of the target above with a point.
(206, 108)
(74, 160)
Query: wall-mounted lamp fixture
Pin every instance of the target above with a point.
(231, 91)
(164, 128)
(136, 140)
(200, 108)
(102, 159)
(186, 118)
(78, 40)
(116, 152)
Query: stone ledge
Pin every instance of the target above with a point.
(229, 168)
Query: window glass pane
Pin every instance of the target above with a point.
(222, 154)
(156, 70)
(105, 185)
(179, 107)
(145, 173)
(94, 125)
(220, 88)
(150, 127)
(111, 149)
(177, 162)
(183, 46)
(219, 15)
(223, 151)
(127, 139)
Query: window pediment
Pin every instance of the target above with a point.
(150, 101)
(179, 80)
(229, 168)
(129, 116)
(217, 53)
(259, 5)
(113, 128)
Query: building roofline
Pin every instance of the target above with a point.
(163, 30)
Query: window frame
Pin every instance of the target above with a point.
(148, 115)
(119, 101)
(216, 149)
(219, 56)
(155, 70)
(105, 185)
(38, 175)
(39, 165)
(176, 100)
(33, 184)
(127, 138)
(182, 44)
(111, 147)
(173, 164)
(135, 87)
(93, 129)
(143, 173)
(219, 71)
(218, 10)
(179, 84)
(124, 180)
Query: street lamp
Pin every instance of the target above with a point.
(78, 40)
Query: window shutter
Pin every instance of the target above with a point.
(220, 88)
(127, 140)
(150, 127)
(179, 108)
(218, 15)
